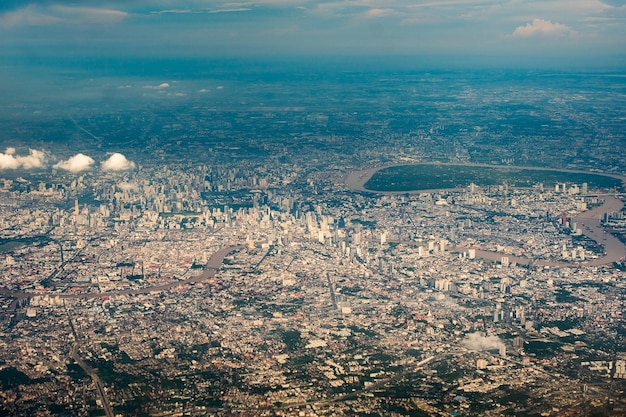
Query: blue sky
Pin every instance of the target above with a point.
(567, 30)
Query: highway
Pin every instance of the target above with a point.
(96, 379)
(88, 370)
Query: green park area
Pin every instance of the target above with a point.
(447, 176)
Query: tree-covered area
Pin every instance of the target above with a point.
(444, 176)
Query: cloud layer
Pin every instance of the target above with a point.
(166, 28)
(10, 160)
(59, 14)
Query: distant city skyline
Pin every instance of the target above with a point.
(555, 34)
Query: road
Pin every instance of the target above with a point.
(96, 379)
(88, 370)
(61, 267)
(333, 298)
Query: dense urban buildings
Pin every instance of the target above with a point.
(209, 246)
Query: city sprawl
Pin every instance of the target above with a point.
(234, 262)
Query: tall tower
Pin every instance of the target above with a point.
(76, 211)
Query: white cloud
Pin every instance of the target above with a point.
(379, 12)
(476, 341)
(541, 27)
(35, 159)
(240, 9)
(161, 86)
(227, 8)
(9, 160)
(88, 14)
(44, 15)
(173, 11)
(76, 163)
(127, 186)
(117, 162)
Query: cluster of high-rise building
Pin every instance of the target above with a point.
(330, 300)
